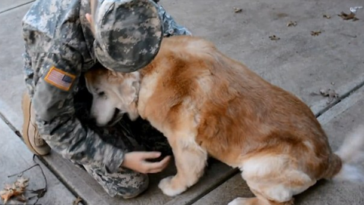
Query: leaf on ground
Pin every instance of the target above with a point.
(21, 198)
(274, 38)
(22, 182)
(329, 93)
(9, 186)
(350, 16)
(315, 33)
(77, 201)
(14, 190)
(292, 23)
(6, 195)
(326, 16)
(238, 10)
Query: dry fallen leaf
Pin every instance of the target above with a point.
(77, 201)
(22, 182)
(315, 33)
(7, 194)
(329, 93)
(292, 23)
(21, 198)
(238, 10)
(9, 186)
(350, 16)
(274, 38)
(326, 16)
(16, 189)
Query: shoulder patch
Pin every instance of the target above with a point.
(59, 78)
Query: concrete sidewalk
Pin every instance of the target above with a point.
(298, 62)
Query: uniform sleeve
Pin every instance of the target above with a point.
(59, 72)
(170, 27)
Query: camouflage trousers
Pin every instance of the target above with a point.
(127, 135)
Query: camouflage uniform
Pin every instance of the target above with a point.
(59, 42)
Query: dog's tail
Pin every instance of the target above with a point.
(350, 152)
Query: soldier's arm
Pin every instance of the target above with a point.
(59, 72)
(170, 26)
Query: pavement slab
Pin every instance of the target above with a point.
(298, 62)
(6, 5)
(338, 122)
(11, 65)
(15, 158)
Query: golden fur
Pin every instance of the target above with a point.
(208, 104)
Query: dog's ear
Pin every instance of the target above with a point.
(93, 75)
(136, 86)
(130, 93)
(133, 106)
(87, 76)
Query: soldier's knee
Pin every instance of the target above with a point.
(126, 183)
(135, 187)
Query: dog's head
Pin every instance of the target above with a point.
(113, 95)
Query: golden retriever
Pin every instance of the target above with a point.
(208, 104)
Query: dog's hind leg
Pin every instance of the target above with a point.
(190, 161)
(274, 180)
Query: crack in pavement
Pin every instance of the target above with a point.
(338, 100)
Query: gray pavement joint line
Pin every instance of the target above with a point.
(8, 123)
(11, 8)
(64, 182)
(341, 97)
(204, 193)
(341, 107)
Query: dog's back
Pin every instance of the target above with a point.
(237, 114)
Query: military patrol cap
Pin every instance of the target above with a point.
(128, 33)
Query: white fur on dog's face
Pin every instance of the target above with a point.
(113, 95)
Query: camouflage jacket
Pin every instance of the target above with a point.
(57, 35)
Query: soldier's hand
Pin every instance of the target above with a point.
(137, 161)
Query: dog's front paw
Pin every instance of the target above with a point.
(171, 187)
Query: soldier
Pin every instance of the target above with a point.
(65, 38)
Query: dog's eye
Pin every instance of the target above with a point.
(101, 94)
